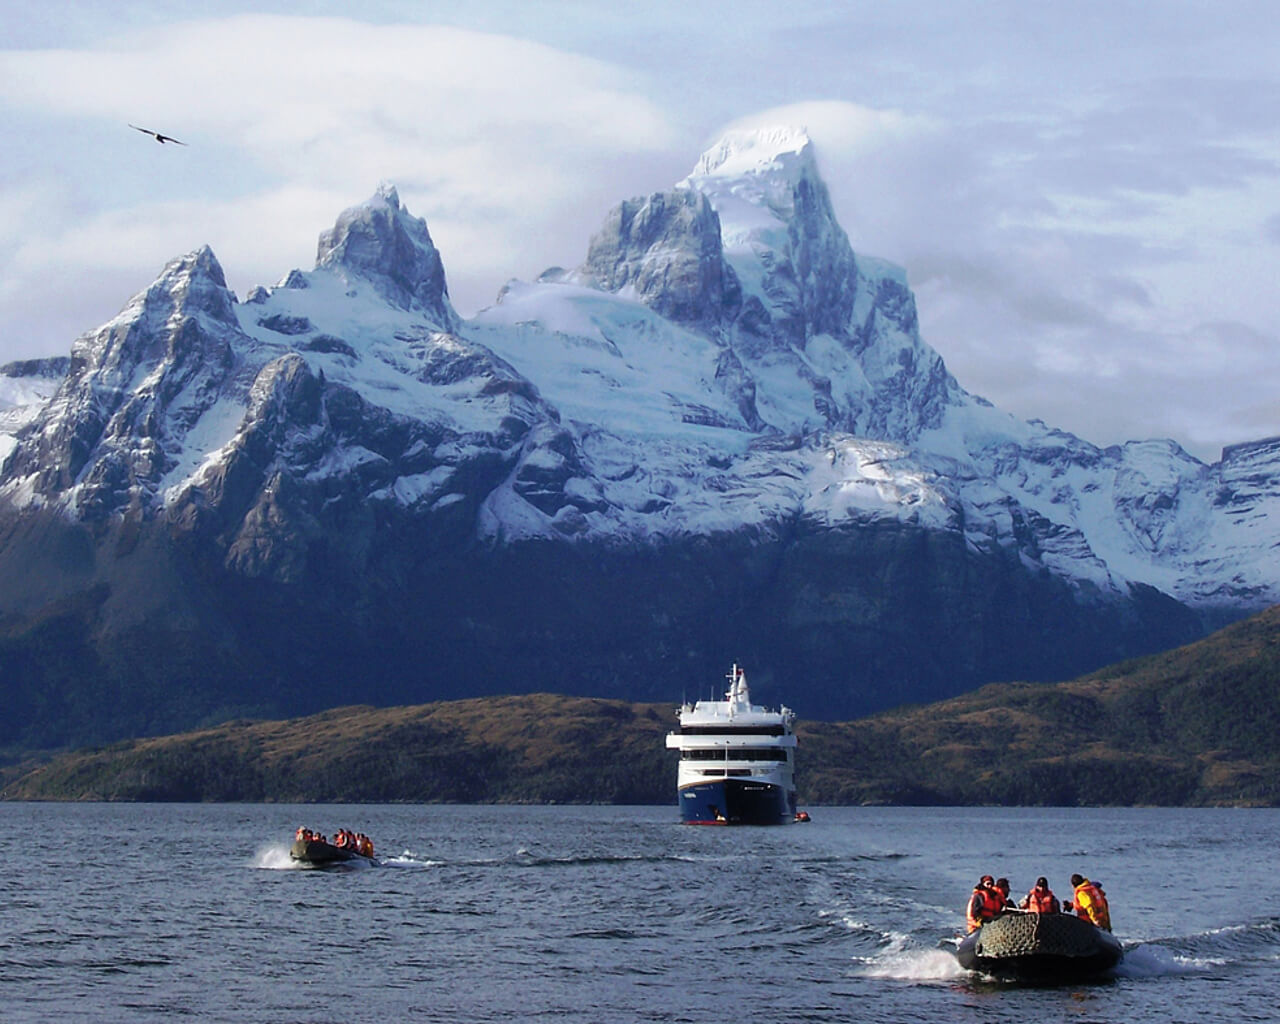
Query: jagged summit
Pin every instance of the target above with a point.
(665, 249)
(380, 242)
(759, 181)
(191, 283)
(133, 387)
(784, 150)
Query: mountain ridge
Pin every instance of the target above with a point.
(722, 430)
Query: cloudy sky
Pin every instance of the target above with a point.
(1085, 196)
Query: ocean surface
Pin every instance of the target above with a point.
(149, 912)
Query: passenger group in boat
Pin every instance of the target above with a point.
(990, 899)
(343, 839)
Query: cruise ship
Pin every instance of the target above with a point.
(737, 760)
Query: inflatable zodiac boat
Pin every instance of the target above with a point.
(322, 855)
(1039, 947)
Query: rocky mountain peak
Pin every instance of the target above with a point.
(197, 281)
(781, 152)
(101, 441)
(381, 243)
(666, 248)
(847, 324)
(779, 228)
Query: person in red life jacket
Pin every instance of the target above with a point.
(1002, 894)
(1091, 902)
(301, 833)
(984, 905)
(1041, 899)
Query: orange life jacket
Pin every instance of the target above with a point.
(984, 905)
(1042, 901)
(1091, 904)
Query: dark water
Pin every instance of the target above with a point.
(157, 912)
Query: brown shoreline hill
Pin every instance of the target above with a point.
(1195, 726)
(527, 749)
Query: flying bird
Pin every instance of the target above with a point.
(157, 136)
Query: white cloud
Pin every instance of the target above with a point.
(1059, 272)
(498, 142)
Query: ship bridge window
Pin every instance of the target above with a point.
(739, 754)
(733, 730)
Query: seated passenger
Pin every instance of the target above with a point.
(1041, 899)
(1091, 902)
(1002, 894)
(984, 904)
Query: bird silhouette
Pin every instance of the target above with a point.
(157, 136)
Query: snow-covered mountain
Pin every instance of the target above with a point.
(721, 430)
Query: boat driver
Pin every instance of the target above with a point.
(985, 904)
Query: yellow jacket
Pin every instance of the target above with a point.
(1091, 904)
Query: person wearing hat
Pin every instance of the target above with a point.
(1041, 899)
(984, 905)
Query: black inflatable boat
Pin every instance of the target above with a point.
(323, 855)
(1039, 947)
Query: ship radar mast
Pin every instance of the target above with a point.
(738, 697)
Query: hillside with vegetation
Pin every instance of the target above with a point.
(1199, 725)
(526, 749)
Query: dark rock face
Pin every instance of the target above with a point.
(379, 242)
(666, 247)
(302, 614)
(128, 385)
(53, 367)
(308, 483)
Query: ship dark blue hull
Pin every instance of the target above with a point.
(736, 802)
